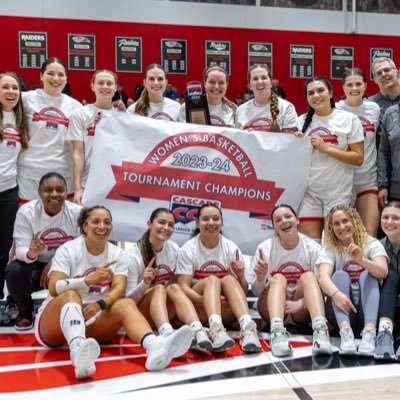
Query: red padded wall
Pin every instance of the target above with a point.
(57, 30)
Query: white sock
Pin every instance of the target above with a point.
(196, 326)
(385, 324)
(276, 323)
(318, 321)
(244, 320)
(72, 322)
(165, 329)
(214, 319)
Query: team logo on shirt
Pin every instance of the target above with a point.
(211, 268)
(260, 124)
(164, 273)
(98, 288)
(11, 136)
(162, 116)
(52, 117)
(325, 134)
(291, 270)
(354, 270)
(369, 127)
(217, 121)
(91, 131)
(53, 238)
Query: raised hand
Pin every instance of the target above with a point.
(36, 246)
(237, 265)
(102, 274)
(149, 272)
(354, 251)
(261, 267)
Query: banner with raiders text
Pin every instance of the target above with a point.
(140, 164)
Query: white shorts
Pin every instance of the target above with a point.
(28, 189)
(365, 183)
(316, 209)
(37, 327)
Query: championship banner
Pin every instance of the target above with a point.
(140, 164)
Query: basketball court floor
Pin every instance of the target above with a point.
(29, 371)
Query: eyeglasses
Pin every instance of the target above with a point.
(379, 73)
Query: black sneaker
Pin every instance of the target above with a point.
(24, 323)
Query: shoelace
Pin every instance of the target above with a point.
(384, 337)
(347, 334)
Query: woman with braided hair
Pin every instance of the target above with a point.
(151, 102)
(338, 141)
(266, 112)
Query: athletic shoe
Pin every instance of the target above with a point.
(321, 343)
(367, 345)
(347, 343)
(398, 354)
(24, 323)
(4, 320)
(249, 341)
(164, 349)
(11, 309)
(279, 342)
(384, 349)
(220, 339)
(201, 341)
(83, 356)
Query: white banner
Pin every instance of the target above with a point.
(140, 164)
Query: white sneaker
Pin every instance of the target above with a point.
(249, 341)
(164, 349)
(321, 343)
(83, 356)
(220, 339)
(367, 345)
(347, 343)
(201, 341)
(279, 342)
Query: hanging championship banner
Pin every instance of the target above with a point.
(301, 61)
(81, 52)
(260, 53)
(342, 58)
(32, 49)
(218, 54)
(139, 164)
(174, 56)
(128, 54)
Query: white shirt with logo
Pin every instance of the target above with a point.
(290, 263)
(167, 110)
(198, 261)
(48, 120)
(341, 261)
(10, 148)
(328, 176)
(250, 116)
(54, 230)
(82, 129)
(368, 114)
(74, 260)
(166, 264)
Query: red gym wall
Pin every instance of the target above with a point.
(57, 30)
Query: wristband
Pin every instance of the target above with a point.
(335, 293)
(77, 284)
(102, 304)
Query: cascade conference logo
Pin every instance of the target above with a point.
(229, 178)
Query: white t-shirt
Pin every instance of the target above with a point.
(75, 261)
(341, 261)
(48, 119)
(166, 264)
(82, 129)
(291, 263)
(10, 148)
(328, 176)
(219, 115)
(368, 114)
(54, 230)
(196, 260)
(168, 110)
(249, 116)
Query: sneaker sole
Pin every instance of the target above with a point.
(251, 348)
(322, 351)
(384, 357)
(226, 346)
(348, 352)
(84, 364)
(23, 328)
(365, 354)
(204, 346)
(182, 339)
